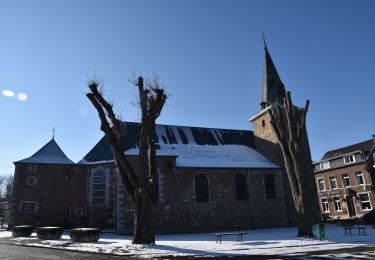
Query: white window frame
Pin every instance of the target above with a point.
(357, 174)
(31, 180)
(330, 178)
(324, 165)
(349, 159)
(345, 176)
(325, 205)
(337, 204)
(28, 204)
(365, 201)
(93, 173)
(324, 185)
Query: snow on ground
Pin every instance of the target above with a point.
(256, 242)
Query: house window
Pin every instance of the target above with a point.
(333, 182)
(321, 184)
(337, 203)
(28, 207)
(269, 183)
(346, 180)
(201, 188)
(325, 206)
(365, 201)
(31, 180)
(263, 123)
(360, 179)
(99, 187)
(325, 165)
(241, 188)
(349, 159)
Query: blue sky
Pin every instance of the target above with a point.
(209, 55)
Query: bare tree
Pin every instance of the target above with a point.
(2, 179)
(8, 185)
(139, 184)
(289, 124)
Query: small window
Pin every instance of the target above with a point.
(263, 123)
(201, 188)
(28, 207)
(333, 182)
(325, 165)
(99, 187)
(241, 188)
(360, 179)
(346, 180)
(325, 206)
(337, 203)
(321, 185)
(365, 201)
(349, 159)
(31, 180)
(270, 186)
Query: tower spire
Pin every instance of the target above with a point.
(264, 40)
(273, 90)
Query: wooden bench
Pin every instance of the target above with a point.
(239, 235)
(361, 230)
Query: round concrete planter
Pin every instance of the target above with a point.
(22, 231)
(85, 235)
(49, 232)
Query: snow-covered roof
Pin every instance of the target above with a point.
(50, 153)
(212, 156)
(171, 134)
(193, 146)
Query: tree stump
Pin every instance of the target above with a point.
(85, 235)
(49, 232)
(22, 231)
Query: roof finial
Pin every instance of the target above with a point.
(53, 133)
(264, 40)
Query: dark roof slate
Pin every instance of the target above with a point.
(365, 146)
(50, 153)
(273, 90)
(172, 134)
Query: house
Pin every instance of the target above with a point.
(344, 180)
(208, 178)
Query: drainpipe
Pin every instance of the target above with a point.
(251, 198)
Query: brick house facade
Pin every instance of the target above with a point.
(344, 180)
(208, 179)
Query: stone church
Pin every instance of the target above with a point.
(208, 178)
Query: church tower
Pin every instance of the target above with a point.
(273, 92)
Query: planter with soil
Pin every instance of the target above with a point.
(49, 232)
(85, 235)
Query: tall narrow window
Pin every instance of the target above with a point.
(241, 188)
(99, 184)
(360, 179)
(269, 183)
(346, 180)
(337, 203)
(201, 188)
(333, 182)
(325, 206)
(321, 184)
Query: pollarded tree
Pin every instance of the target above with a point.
(289, 124)
(138, 183)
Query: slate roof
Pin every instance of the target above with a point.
(194, 146)
(273, 90)
(365, 146)
(50, 153)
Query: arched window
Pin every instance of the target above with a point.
(99, 186)
(201, 188)
(241, 188)
(269, 183)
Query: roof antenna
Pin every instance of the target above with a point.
(264, 40)
(53, 133)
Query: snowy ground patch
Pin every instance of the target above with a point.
(282, 241)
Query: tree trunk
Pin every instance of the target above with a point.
(143, 221)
